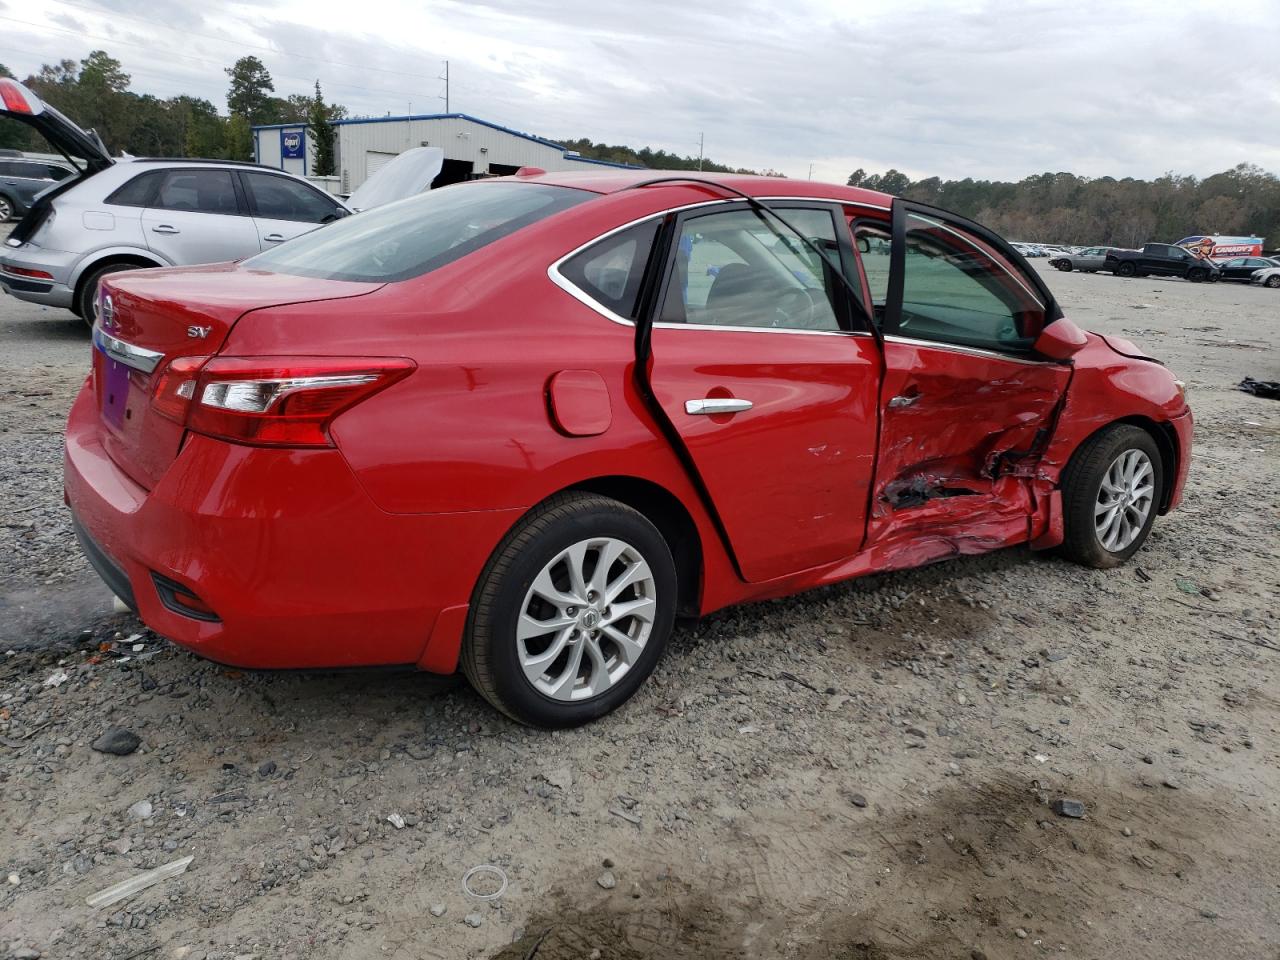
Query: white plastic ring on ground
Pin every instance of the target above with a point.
(482, 869)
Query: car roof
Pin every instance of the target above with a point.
(614, 181)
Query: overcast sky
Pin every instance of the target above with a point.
(931, 87)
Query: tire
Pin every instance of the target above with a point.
(1084, 499)
(1064, 266)
(86, 302)
(538, 549)
(7, 209)
(1126, 269)
(1272, 282)
(1197, 276)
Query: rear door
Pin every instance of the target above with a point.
(284, 208)
(198, 216)
(768, 376)
(965, 401)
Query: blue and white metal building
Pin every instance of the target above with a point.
(472, 147)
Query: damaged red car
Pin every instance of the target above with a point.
(521, 424)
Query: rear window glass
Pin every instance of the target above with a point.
(137, 192)
(610, 271)
(420, 234)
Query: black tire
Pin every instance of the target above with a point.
(1272, 282)
(490, 658)
(1126, 269)
(86, 302)
(7, 208)
(1082, 482)
(1064, 266)
(1197, 276)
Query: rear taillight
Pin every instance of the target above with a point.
(15, 97)
(270, 401)
(25, 272)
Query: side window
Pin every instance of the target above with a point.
(279, 198)
(611, 271)
(958, 289)
(740, 268)
(874, 242)
(57, 173)
(198, 191)
(137, 192)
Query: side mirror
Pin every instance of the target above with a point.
(1060, 340)
(864, 245)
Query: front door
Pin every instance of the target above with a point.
(768, 378)
(284, 208)
(966, 403)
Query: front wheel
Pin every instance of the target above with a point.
(572, 613)
(1197, 276)
(1126, 269)
(1064, 266)
(1110, 496)
(6, 209)
(1273, 282)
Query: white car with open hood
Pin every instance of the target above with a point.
(131, 213)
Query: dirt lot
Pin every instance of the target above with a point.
(866, 772)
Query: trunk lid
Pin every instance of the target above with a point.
(147, 319)
(82, 148)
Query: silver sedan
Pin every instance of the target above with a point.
(1090, 260)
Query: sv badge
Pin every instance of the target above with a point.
(198, 333)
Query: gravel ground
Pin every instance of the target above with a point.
(869, 771)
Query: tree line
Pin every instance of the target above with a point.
(95, 94)
(1065, 208)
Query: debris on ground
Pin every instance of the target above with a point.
(117, 741)
(127, 888)
(1267, 389)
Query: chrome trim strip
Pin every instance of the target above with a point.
(958, 348)
(563, 282)
(136, 357)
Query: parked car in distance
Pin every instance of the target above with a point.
(132, 213)
(519, 424)
(23, 178)
(1238, 268)
(1086, 259)
(1267, 277)
(1161, 260)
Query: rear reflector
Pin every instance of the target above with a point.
(182, 600)
(24, 272)
(270, 401)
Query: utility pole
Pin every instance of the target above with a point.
(811, 171)
(701, 140)
(445, 77)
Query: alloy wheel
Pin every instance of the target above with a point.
(1124, 500)
(586, 619)
(6, 209)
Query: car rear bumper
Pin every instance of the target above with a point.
(55, 292)
(299, 566)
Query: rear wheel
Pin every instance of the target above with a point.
(1126, 269)
(86, 302)
(6, 209)
(1110, 493)
(1064, 266)
(572, 613)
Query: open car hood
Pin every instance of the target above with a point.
(20, 104)
(405, 176)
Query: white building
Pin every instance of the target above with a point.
(472, 148)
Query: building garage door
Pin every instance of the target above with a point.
(375, 160)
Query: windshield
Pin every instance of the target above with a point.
(415, 236)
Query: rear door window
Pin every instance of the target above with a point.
(423, 233)
(279, 198)
(137, 192)
(197, 191)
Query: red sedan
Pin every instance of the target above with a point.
(523, 423)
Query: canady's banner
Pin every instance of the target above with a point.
(1216, 248)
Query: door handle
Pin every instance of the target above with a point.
(273, 238)
(714, 405)
(165, 228)
(903, 400)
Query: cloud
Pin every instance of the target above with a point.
(981, 89)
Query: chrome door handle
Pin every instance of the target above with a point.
(165, 228)
(713, 405)
(273, 238)
(903, 400)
